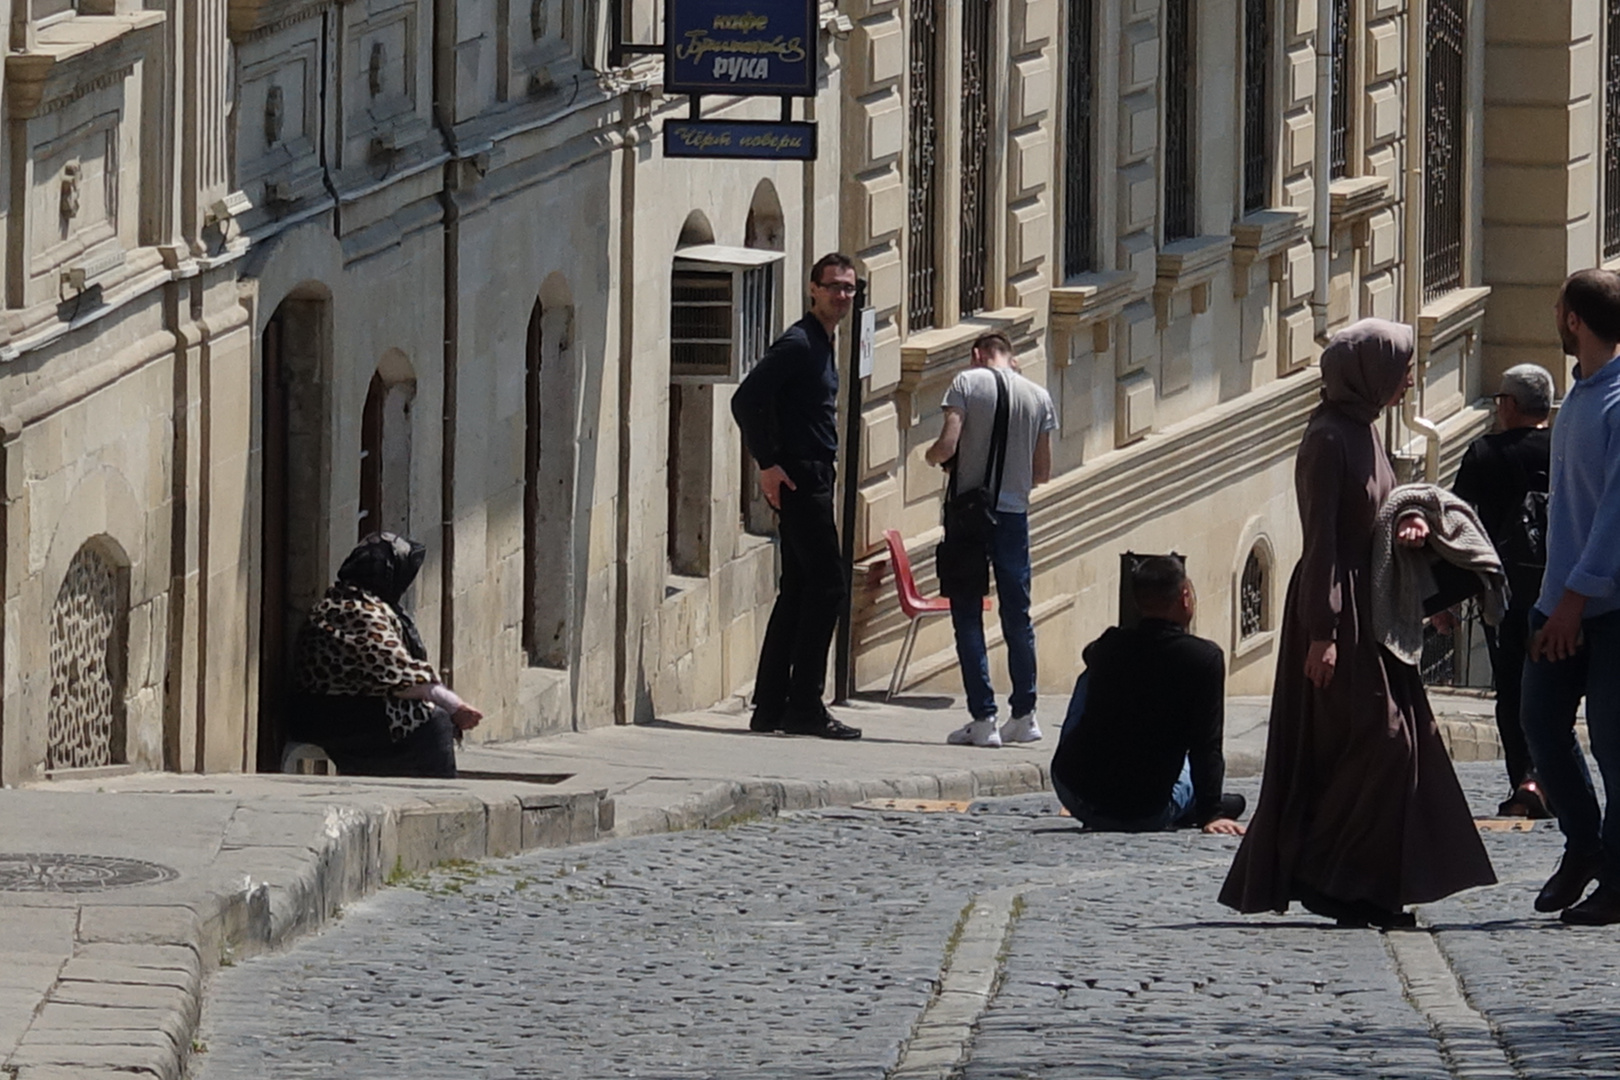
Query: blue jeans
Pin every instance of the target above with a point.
(1552, 690)
(1181, 794)
(1009, 558)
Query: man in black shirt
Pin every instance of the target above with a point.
(1496, 474)
(1141, 747)
(787, 408)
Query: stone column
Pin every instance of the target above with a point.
(1543, 111)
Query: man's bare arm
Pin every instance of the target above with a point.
(1041, 467)
(944, 447)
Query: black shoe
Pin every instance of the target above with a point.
(1568, 882)
(1233, 805)
(820, 723)
(765, 720)
(1602, 908)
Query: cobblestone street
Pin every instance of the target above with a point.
(817, 945)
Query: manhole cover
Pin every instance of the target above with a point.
(30, 872)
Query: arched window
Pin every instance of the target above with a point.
(385, 448)
(1253, 616)
(88, 624)
(548, 476)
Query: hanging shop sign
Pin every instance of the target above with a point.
(792, 140)
(762, 47)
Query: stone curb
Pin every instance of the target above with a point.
(128, 1002)
(732, 801)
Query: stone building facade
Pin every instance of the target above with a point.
(1191, 195)
(282, 272)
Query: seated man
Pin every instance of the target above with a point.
(1141, 746)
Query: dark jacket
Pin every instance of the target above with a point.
(787, 407)
(1494, 476)
(1156, 697)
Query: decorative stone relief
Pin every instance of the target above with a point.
(86, 624)
(70, 191)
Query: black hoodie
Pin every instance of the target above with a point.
(1156, 695)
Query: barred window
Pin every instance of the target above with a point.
(1339, 113)
(1252, 597)
(88, 624)
(1178, 119)
(922, 175)
(1079, 224)
(978, 17)
(1256, 104)
(1445, 160)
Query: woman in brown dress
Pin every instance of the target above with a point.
(1360, 812)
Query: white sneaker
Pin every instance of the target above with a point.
(1021, 729)
(975, 733)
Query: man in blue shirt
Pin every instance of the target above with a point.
(1575, 627)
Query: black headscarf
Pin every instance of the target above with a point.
(384, 565)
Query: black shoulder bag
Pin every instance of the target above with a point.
(962, 559)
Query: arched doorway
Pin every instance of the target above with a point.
(295, 367)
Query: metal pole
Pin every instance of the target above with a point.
(844, 662)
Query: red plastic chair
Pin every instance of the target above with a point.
(913, 605)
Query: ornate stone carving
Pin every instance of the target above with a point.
(70, 191)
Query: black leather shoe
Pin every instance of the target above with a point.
(1569, 881)
(765, 720)
(1233, 805)
(1602, 908)
(820, 723)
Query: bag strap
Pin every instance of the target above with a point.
(996, 463)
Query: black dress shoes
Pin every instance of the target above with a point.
(820, 723)
(1602, 908)
(1569, 881)
(765, 720)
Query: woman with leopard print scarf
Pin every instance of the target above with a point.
(367, 695)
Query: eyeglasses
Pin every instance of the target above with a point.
(839, 288)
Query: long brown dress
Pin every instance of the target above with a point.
(1359, 802)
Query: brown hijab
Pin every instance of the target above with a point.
(1364, 365)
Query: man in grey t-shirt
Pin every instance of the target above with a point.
(970, 416)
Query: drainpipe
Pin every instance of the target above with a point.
(1412, 279)
(1322, 167)
(1431, 439)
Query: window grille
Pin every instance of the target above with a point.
(922, 175)
(1256, 104)
(87, 671)
(977, 46)
(1178, 126)
(1444, 159)
(1611, 135)
(1079, 237)
(1252, 597)
(1339, 114)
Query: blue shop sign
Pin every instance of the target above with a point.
(740, 47)
(793, 140)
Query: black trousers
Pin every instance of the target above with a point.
(1507, 644)
(354, 733)
(793, 658)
